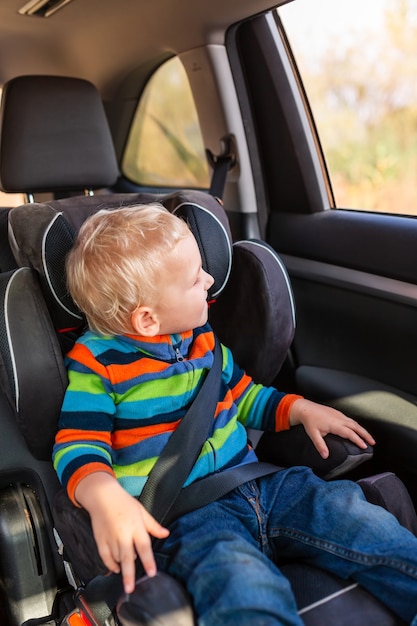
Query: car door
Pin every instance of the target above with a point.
(354, 273)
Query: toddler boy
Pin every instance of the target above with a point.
(137, 275)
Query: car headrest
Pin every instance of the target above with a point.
(54, 136)
(256, 314)
(208, 223)
(41, 235)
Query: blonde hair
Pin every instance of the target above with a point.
(118, 262)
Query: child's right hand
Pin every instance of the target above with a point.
(319, 420)
(121, 526)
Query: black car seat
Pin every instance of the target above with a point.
(33, 378)
(54, 227)
(54, 138)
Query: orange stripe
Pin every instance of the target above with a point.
(71, 435)
(159, 338)
(225, 404)
(81, 473)
(282, 416)
(123, 438)
(243, 383)
(136, 368)
(203, 344)
(82, 354)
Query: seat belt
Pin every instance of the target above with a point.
(215, 486)
(172, 468)
(221, 164)
(163, 495)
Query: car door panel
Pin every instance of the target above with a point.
(354, 277)
(354, 273)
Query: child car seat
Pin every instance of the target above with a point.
(27, 329)
(56, 230)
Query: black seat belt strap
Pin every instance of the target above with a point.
(221, 164)
(183, 448)
(215, 486)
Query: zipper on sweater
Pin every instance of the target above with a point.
(178, 354)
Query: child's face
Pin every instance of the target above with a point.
(183, 303)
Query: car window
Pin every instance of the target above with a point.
(165, 146)
(358, 62)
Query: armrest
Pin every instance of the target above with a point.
(294, 447)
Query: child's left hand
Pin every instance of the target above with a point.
(320, 420)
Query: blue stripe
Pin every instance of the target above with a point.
(133, 421)
(93, 420)
(147, 449)
(76, 463)
(133, 484)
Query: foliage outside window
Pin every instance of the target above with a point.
(165, 147)
(358, 62)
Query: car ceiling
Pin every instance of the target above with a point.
(105, 41)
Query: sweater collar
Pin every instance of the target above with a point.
(163, 347)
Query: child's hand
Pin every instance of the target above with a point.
(121, 526)
(320, 420)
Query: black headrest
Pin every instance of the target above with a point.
(209, 225)
(42, 234)
(256, 314)
(54, 136)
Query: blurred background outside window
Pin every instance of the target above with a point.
(358, 63)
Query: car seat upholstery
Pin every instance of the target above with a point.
(256, 304)
(42, 232)
(32, 381)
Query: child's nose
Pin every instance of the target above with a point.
(209, 280)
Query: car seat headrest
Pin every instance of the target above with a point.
(41, 236)
(54, 136)
(256, 314)
(213, 240)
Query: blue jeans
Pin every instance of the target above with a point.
(226, 552)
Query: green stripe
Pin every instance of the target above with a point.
(244, 408)
(140, 468)
(88, 383)
(176, 386)
(221, 435)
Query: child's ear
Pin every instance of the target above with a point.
(145, 321)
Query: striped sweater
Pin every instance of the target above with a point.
(127, 394)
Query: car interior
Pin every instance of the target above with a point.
(325, 298)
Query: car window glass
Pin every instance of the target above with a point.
(165, 146)
(358, 62)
